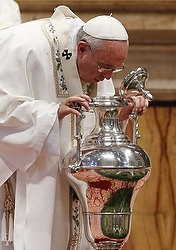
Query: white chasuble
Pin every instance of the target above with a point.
(32, 141)
(28, 113)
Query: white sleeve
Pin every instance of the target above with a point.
(27, 113)
(52, 143)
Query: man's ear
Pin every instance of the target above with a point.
(82, 48)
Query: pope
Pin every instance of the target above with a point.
(45, 66)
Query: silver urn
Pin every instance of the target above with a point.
(106, 171)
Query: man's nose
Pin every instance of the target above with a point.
(107, 74)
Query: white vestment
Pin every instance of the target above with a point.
(9, 13)
(32, 141)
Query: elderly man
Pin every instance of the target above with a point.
(45, 65)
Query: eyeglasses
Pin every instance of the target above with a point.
(101, 70)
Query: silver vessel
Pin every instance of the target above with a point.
(106, 171)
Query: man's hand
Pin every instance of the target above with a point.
(141, 105)
(65, 107)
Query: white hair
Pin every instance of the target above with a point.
(95, 43)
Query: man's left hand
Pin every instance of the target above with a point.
(141, 105)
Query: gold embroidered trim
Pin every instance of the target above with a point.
(55, 71)
(7, 226)
(75, 216)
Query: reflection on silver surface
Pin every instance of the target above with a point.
(107, 176)
(134, 84)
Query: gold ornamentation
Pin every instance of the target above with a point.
(8, 216)
(67, 103)
(75, 221)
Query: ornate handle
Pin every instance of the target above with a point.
(134, 85)
(74, 168)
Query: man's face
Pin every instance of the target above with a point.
(110, 56)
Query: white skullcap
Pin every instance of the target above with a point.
(105, 27)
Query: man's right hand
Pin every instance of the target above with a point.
(65, 108)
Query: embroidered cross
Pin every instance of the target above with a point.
(67, 54)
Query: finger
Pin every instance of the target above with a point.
(75, 112)
(140, 103)
(142, 111)
(80, 97)
(77, 99)
(65, 110)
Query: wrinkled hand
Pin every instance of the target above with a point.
(141, 105)
(65, 109)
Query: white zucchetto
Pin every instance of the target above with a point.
(106, 27)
